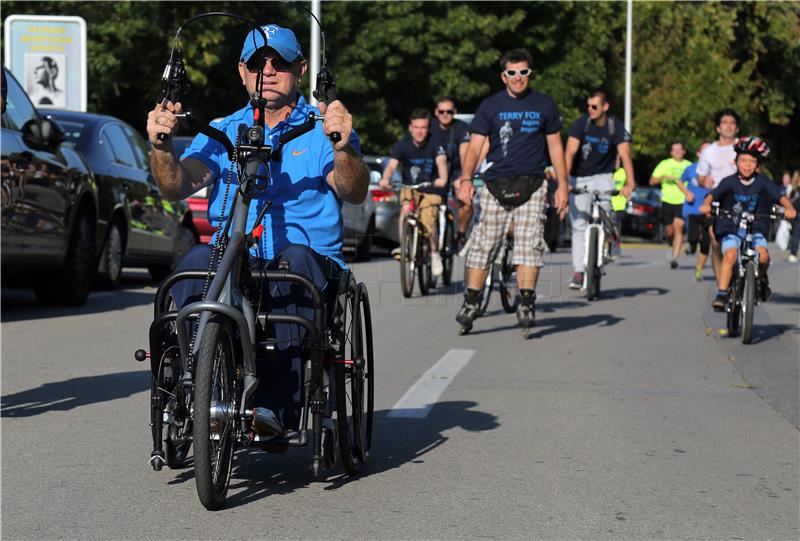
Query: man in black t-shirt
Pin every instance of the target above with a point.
(594, 142)
(522, 126)
(423, 160)
(453, 135)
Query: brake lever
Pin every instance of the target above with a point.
(174, 84)
(326, 92)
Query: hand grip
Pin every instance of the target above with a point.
(162, 137)
(335, 137)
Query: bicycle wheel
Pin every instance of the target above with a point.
(213, 435)
(178, 439)
(351, 392)
(508, 279)
(364, 378)
(424, 265)
(592, 269)
(734, 308)
(748, 302)
(448, 251)
(407, 259)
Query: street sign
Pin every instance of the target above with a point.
(47, 54)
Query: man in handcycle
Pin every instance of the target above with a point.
(755, 193)
(423, 159)
(302, 231)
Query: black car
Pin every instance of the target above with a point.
(49, 205)
(643, 214)
(137, 226)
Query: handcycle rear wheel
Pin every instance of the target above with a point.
(748, 302)
(508, 279)
(214, 444)
(407, 260)
(355, 383)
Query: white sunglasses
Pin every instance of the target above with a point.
(513, 73)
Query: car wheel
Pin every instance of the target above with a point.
(183, 243)
(71, 284)
(111, 258)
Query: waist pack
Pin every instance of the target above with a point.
(512, 192)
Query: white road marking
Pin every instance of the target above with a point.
(422, 396)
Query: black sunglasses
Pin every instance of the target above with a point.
(592, 106)
(260, 58)
(445, 111)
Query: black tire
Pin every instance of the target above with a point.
(111, 258)
(368, 380)
(364, 248)
(734, 308)
(71, 284)
(177, 441)
(748, 302)
(551, 229)
(592, 270)
(214, 373)
(184, 241)
(508, 280)
(407, 260)
(350, 390)
(448, 251)
(424, 265)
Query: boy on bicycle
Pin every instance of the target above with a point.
(424, 160)
(751, 192)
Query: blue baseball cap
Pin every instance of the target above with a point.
(281, 39)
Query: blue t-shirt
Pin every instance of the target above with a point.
(517, 130)
(450, 139)
(598, 151)
(418, 163)
(689, 179)
(758, 197)
(305, 209)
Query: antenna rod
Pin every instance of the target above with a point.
(315, 39)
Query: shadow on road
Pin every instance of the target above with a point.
(21, 304)
(74, 393)
(396, 442)
(762, 333)
(555, 325)
(627, 292)
(782, 298)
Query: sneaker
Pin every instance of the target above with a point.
(396, 253)
(577, 281)
(673, 264)
(720, 301)
(436, 264)
(792, 258)
(698, 275)
(764, 291)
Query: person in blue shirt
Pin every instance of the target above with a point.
(303, 227)
(753, 193)
(698, 228)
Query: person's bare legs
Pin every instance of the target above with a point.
(677, 238)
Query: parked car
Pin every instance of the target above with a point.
(49, 205)
(387, 204)
(643, 214)
(137, 226)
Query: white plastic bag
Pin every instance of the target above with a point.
(783, 234)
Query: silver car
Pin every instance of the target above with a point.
(387, 204)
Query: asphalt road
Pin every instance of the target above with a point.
(630, 417)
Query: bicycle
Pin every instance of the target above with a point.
(601, 232)
(446, 242)
(415, 250)
(203, 383)
(745, 280)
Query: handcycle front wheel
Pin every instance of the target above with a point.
(355, 383)
(214, 443)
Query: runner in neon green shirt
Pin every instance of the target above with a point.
(667, 174)
(619, 202)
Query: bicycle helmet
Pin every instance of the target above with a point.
(752, 145)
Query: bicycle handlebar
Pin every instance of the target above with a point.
(426, 184)
(586, 190)
(775, 214)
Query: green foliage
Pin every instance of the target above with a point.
(690, 59)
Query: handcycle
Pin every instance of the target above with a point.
(203, 356)
(746, 280)
(601, 233)
(415, 250)
(502, 274)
